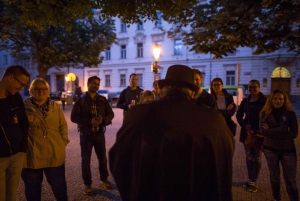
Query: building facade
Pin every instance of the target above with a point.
(133, 54)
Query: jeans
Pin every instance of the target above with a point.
(87, 142)
(33, 179)
(10, 174)
(253, 162)
(289, 166)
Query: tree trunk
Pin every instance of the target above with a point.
(42, 72)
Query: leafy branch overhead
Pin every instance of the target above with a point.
(222, 26)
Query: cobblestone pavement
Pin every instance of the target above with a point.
(75, 184)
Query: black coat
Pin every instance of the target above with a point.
(173, 149)
(82, 113)
(280, 135)
(248, 113)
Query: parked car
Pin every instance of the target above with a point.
(115, 99)
(55, 95)
(238, 93)
(103, 92)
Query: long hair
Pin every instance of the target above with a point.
(211, 88)
(267, 109)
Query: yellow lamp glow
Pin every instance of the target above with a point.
(156, 52)
(71, 77)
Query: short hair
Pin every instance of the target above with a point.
(35, 82)
(92, 78)
(133, 74)
(217, 79)
(16, 70)
(196, 71)
(255, 81)
(76, 83)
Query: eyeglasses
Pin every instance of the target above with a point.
(216, 85)
(40, 89)
(20, 83)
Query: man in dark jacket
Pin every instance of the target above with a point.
(162, 152)
(92, 113)
(201, 96)
(131, 95)
(14, 130)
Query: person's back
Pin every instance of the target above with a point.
(173, 149)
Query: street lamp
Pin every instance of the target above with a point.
(155, 66)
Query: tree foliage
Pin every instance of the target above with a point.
(71, 41)
(222, 26)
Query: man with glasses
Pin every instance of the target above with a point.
(92, 113)
(13, 130)
(201, 96)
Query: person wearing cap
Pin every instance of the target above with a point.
(173, 148)
(201, 96)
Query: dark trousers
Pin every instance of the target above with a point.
(63, 102)
(289, 166)
(253, 162)
(87, 142)
(33, 179)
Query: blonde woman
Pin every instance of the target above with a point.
(146, 96)
(47, 141)
(278, 123)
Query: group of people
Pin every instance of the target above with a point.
(155, 129)
(34, 136)
(176, 142)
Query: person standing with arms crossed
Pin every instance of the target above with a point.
(13, 130)
(92, 112)
(131, 95)
(279, 126)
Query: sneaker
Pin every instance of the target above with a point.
(252, 187)
(88, 190)
(247, 183)
(107, 184)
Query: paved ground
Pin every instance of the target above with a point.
(75, 185)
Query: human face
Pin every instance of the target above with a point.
(94, 86)
(253, 88)
(217, 86)
(278, 100)
(40, 92)
(198, 80)
(18, 83)
(134, 81)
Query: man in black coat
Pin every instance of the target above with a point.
(173, 148)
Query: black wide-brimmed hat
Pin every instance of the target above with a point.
(179, 75)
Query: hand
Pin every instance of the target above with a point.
(250, 132)
(96, 122)
(230, 106)
(30, 118)
(265, 126)
(131, 105)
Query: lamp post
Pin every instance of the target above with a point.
(155, 66)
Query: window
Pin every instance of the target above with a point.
(123, 27)
(265, 81)
(5, 61)
(140, 50)
(140, 25)
(107, 54)
(230, 77)
(122, 80)
(107, 80)
(158, 22)
(140, 83)
(177, 46)
(123, 51)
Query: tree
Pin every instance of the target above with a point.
(224, 25)
(75, 42)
